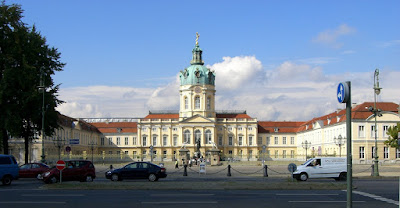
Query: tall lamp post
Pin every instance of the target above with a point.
(339, 141)
(43, 89)
(306, 145)
(59, 142)
(376, 112)
(92, 145)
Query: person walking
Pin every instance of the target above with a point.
(176, 164)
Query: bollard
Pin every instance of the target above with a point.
(265, 171)
(229, 171)
(111, 167)
(185, 170)
(372, 171)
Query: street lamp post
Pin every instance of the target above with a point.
(59, 142)
(42, 88)
(306, 145)
(339, 141)
(376, 112)
(92, 144)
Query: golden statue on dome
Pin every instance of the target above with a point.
(197, 38)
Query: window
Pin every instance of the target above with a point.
(208, 136)
(144, 129)
(174, 129)
(240, 140)
(164, 129)
(126, 153)
(284, 154)
(187, 136)
(175, 140)
(276, 140)
(291, 140)
(118, 141)
(186, 103)
(362, 154)
(250, 153)
(250, 128)
(144, 153)
(397, 153)
(373, 132)
(361, 131)
(197, 136)
(259, 141)
(154, 140)
(276, 153)
(230, 152)
(134, 141)
(268, 153)
(291, 153)
(144, 141)
(385, 129)
(165, 154)
(284, 140)
(109, 141)
(118, 152)
(110, 152)
(373, 152)
(208, 103)
(197, 102)
(102, 141)
(134, 153)
(240, 129)
(268, 140)
(385, 152)
(154, 129)
(126, 141)
(229, 128)
(250, 140)
(164, 140)
(220, 140)
(230, 140)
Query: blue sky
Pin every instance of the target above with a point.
(123, 57)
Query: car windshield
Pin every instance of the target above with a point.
(308, 161)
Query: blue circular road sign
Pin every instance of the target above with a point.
(342, 92)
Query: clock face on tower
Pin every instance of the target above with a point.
(197, 90)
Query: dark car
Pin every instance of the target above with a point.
(33, 170)
(75, 170)
(8, 169)
(137, 170)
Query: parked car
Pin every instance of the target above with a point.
(33, 170)
(137, 170)
(75, 170)
(322, 167)
(9, 169)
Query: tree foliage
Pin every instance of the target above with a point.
(392, 133)
(25, 59)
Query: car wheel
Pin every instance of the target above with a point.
(89, 178)
(6, 180)
(343, 176)
(39, 176)
(53, 179)
(152, 177)
(303, 176)
(114, 177)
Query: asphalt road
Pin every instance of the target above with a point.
(368, 193)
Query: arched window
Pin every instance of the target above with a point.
(208, 136)
(186, 135)
(186, 102)
(197, 136)
(197, 102)
(208, 103)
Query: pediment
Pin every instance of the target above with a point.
(197, 119)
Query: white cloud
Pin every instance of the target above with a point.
(330, 37)
(388, 44)
(290, 91)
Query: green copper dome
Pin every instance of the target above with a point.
(197, 73)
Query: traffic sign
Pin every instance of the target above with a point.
(68, 149)
(343, 92)
(292, 167)
(60, 165)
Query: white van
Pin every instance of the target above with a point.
(322, 167)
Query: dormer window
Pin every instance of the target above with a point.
(119, 130)
(276, 129)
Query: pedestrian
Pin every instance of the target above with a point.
(190, 163)
(176, 164)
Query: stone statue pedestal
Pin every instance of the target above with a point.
(183, 156)
(214, 156)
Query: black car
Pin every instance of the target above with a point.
(137, 170)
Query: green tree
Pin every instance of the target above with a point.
(25, 60)
(392, 133)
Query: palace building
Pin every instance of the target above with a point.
(198, 130)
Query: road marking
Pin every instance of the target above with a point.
(376, 197)
(181, 202)
(324, 201)
(31, 202)
(307, 194)
(177, 195)
(35, 195)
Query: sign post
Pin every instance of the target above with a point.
(292, 168)
(344, 96)
(60, 166)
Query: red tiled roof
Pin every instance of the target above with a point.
(113, 127)
(283, 126)
(241, 115)
(68, 121)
